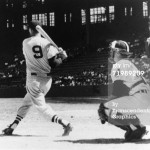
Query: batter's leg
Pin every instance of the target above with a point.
(22, 111)
(50, 114)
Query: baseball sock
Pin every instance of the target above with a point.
(16, 121)
(59, 120)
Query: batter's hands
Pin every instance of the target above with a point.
(62, 54)
(60, 49)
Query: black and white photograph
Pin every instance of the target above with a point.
(74, 74)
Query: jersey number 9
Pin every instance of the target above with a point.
(37, 50)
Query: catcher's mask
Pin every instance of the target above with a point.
(120, 47)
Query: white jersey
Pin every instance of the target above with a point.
(37, 51)
(127, 72)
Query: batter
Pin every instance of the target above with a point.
(40, 56)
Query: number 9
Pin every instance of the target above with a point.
(37, 50)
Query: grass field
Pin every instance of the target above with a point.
(36, 133)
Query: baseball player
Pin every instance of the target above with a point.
(130, 93)
(41, 56)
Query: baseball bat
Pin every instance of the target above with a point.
(45, 35)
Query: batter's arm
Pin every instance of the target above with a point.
(55, 61)
(56, 57)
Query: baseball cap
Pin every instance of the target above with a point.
(32, 24)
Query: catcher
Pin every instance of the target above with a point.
(130, 93)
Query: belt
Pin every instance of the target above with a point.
(141, 91)
(40, 74)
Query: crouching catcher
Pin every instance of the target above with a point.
(129, 93)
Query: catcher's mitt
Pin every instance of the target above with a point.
(101, 113)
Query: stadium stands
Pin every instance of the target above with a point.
(81, 69)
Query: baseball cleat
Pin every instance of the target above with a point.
(128, 134)
(67, 130)
(8, 130)
(143, 132)
(137, 134)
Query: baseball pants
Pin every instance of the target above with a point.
(37, 87)
(137, 104)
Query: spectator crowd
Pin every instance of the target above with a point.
(13, 73)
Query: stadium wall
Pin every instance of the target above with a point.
(77, 91)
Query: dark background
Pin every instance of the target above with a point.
(85, 40)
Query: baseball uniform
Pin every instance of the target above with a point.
(39, 53)
(139, 91)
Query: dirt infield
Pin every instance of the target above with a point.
(36, 133)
